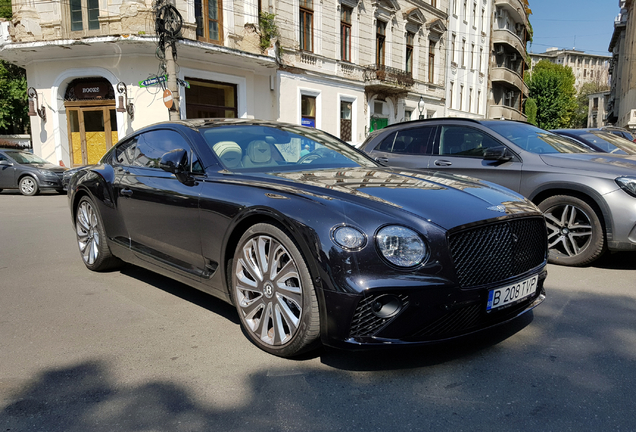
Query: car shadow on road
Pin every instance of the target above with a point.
(617, 261)
(183, 291)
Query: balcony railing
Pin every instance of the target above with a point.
(388, 75)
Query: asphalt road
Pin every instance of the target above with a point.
(132, 351)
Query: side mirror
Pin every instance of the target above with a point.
(174, 161)
(497, 154)
(5, 163)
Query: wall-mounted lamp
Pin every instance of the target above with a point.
(124, 105)
(420, 106)
(34, 110)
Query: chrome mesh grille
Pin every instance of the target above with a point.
(498, 251)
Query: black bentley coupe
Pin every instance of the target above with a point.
(321, 247)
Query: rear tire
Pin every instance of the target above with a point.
(575, 232)
(29, 186)
(91, 237)
(273, 292)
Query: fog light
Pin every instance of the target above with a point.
(386, 306)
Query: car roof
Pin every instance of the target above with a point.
(449, 120)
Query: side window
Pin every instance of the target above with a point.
(463, 141)
(125, 152)
(151, 146)
(413, 141)
(3, 157)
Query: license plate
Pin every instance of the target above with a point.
(512, 293)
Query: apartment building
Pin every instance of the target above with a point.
(507, 65)
(587, 68)
(345, 66)
(621, 106)
(469, 26)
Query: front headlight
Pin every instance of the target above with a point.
(46, 173)
(401, 246)
(628, 184)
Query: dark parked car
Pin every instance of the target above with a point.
(589, 198)
(326, 246)
(600, 140)
(622, 132)
(20, 169)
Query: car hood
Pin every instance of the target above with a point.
(446, 200)
(599, 162)
(49, 167)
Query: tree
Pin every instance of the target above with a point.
(13, 90)
(583, 102)
(552, 88)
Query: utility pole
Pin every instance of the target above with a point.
(168, 26)
(173, 86)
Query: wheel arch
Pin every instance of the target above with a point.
(589, 195)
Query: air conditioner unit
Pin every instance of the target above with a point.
(499, 50)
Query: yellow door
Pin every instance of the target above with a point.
(92, 131)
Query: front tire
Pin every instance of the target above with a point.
(273, 292)
(28, 186)
(91, 237)
(575, 232)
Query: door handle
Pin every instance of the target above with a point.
(443, 163)
(123, 170)
(126, 192)
(382, 160)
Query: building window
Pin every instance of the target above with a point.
(345, 120)
(345, 32)
(474, 15)
(308, 110)
(483, 12)
(478, 101)
(595, 103)
(450, 95)
(461, 97)
(210, 99)
(584, 73)
(453, 37)
(84, 15)
(455, 7)
(463, 53)
(379, 43)
(208, 17)
(470, 99)
(472, 56)
(431, 61)
(407, 115)
(465, 10)
(409, 52)
(307, 25)
(481, 54)
(434, 3)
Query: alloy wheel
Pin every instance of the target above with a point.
(268, 290)
(87, 230)
(27, 186)
(569, 229)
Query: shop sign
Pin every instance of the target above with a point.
(305, 121)
(92, 90)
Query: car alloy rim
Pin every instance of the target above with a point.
(27, 185)
(268, 290)
(87, 232)
(569, 230)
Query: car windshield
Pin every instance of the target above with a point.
(267, 148)
(25, 157)
(536, 140)
(610, 143)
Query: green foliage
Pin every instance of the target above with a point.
(14, 105)
(268, 29)
(583, 102)
(531, 111)
(552, 88)
(5, 9)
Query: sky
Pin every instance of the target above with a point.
(586, 25)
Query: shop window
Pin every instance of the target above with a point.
(210, 99)
(308, 110)
(209, 20)
(307, 25)
(345, 33)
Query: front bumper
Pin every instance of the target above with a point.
(428, 315)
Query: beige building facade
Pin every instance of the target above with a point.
(587, 68)
(507, 60)
(345, 66)
(621, 106)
